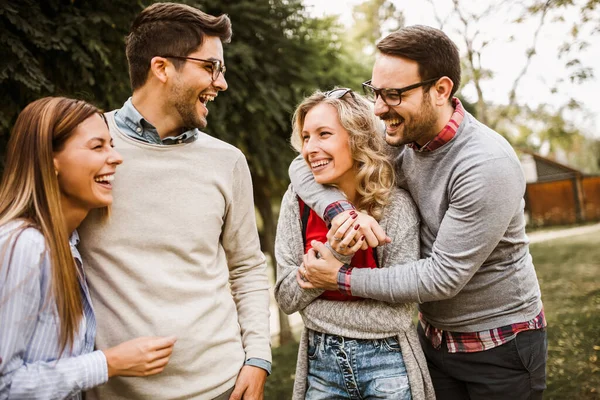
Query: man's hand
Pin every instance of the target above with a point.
(320, 273)
(250, 384)
(368, 227)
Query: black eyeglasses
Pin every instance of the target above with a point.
(391, 97)
(339, 93)
(217, 66)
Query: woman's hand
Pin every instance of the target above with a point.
(345, 239)
(143, 356)
(370, 232)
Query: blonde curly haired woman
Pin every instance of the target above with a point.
(351, 347)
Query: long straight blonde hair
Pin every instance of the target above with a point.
(30, 192)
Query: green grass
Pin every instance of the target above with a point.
(281, 382)
(569, 275)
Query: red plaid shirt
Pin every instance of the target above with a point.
(471, 342)
(445, 134)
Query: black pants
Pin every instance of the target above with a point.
(515, 370)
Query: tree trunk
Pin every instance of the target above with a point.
(262, 199)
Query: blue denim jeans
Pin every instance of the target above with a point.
(344, 368)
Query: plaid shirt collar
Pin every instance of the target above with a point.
(445, 134)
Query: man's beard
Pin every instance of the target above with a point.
(182, 102)
(421, 125)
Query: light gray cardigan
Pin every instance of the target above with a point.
(367, 319)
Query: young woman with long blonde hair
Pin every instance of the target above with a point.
(59, 165)
(351, 347)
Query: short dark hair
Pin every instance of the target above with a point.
(435, 53)
(169, 29)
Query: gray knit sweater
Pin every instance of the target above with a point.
(476, 272)
(366, 319)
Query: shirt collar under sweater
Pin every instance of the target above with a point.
(447, 133)
(131, 122)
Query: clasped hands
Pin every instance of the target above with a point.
(350, 231)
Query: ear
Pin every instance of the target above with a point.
(159, 68)
(442, 89)
(56, 165)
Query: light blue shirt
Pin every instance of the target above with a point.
(31, 366)
(133, 124)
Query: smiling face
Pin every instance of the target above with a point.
(326, 146)
(85, 166)
(193, 87)
(415, 118)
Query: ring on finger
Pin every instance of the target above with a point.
(342, 247)
(337, 239)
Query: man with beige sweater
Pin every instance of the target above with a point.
(180, 253)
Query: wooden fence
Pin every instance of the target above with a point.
(566, 201)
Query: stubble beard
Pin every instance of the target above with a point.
(183, 102)
(421, 125)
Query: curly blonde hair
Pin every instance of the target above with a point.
(375, 176)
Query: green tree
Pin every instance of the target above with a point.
(57, 47)
(581, 31)
(373, 19)
(278, 55)
(543, 126)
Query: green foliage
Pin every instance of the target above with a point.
(582, 30)
(54, 47)
(544, 127)
(373, 19)
(277, 56)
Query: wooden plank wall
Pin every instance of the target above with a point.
(591, 197)
(562, 202)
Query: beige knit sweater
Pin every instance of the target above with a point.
(367, 319)
(180, 256)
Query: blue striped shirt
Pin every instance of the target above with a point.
(30, 363)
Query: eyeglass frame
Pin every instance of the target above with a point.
(344, 91)
(217, 65)
(371, 90)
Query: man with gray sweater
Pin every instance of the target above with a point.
(482, 324)
(180, 253)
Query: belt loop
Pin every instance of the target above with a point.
(321, 342)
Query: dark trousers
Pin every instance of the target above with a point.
(515, 370)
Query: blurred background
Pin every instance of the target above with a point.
(529, 72)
